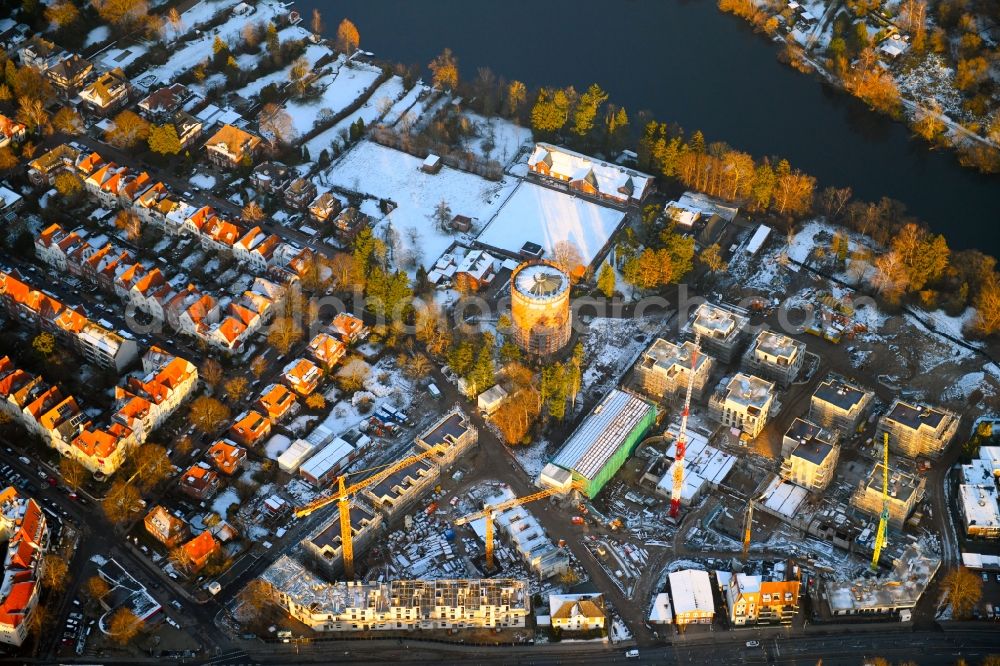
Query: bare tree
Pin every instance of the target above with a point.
(275, 124)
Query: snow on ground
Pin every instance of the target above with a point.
(224, 500)
(190, 53)
(507, 138)
(409, 117)
(312, 54)
(276, 446)
(384, 173)
(339, 91)
(381, 99)
(932, 79)
(404, 104)
(97, 35)
(531, 458)
(200, 12)
(121, 57)
(944, 323)
(549, 218)
(202, 180)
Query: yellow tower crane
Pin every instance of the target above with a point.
(489, 510)
(342, 497)
(883, 521)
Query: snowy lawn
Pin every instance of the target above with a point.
(276, 446)
(312, 54)
(224, 500)
(405, 104)
(550, 218)
(506, 137)
(384, 173)
(97, 35)
(202, 181)
(339, 90)
(381, 99)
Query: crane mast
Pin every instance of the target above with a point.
(675, 494)
(883, 521)
(747, 529)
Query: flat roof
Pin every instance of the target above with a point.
(665, 355)
(691, 591)
(840, 393)
(915, 415)
(446, 431)
(329, 534)
(327, 458)
(749, 391)
(601, 433)
(979, 504)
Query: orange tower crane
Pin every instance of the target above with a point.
(343, 496)
(747, 529)
(675, 495)
(489, 510)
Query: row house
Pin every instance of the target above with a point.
(11, 131)
(107, 93)
(220, 235)
(256, 248)
(106, 348)
(23, 526)
(103, 184)
(69, 75)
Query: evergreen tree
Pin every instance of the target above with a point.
(606, 280)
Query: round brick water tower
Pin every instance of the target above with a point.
(539, 308)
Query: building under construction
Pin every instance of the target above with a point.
(906, 489)
(601, 444)
(664, 369)
(399, 605)
(326, 546)
(539, 308)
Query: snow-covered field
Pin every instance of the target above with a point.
(550, 218)
(97, 35)
(405, 103)
(385, 173)
(312, 54)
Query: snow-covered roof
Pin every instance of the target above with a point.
(784, 498)
(295, 455)
(758, 239)
(979, 506)
(611, 180)
(691, 591)
(661, 612)
(330, 457)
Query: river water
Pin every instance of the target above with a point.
(688, 63)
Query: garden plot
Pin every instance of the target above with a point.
(382, 98)
(496, 138)
(384, 173)
(405, 104)
(339, 90)
(187, 55)
(312, 54)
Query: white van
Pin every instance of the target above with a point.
(632, 654)
(434, 391)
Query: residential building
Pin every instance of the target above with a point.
(917, 429)
(402, 489)
(107, 93)
(302, 376)
(250, 428)
(160, 105)
(891, 594)
(187, 127)
(326, 350)
(453, 434)
(664, 370)
(324, 206)
(198, 551)
(840, 405)
(691, 594)
(165, 527)
(270, 177)
(199, 482)
(11, 131)
(324, 543)
(227, 456)
(398, 604)
(977, 505)
(721, 330)
(230, 147)
(775, 357)
(756, 600)
(349, 328)
(348, 223)
(577, 612)
(39, 53)
(69, 75)
(277, 402)
(299, 193)
(588, 176)
(906, 489)
(743, 402)
(476, 271)
(24, 527)
(812, 461)
(43, 169)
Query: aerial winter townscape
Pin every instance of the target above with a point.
(309, 355)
